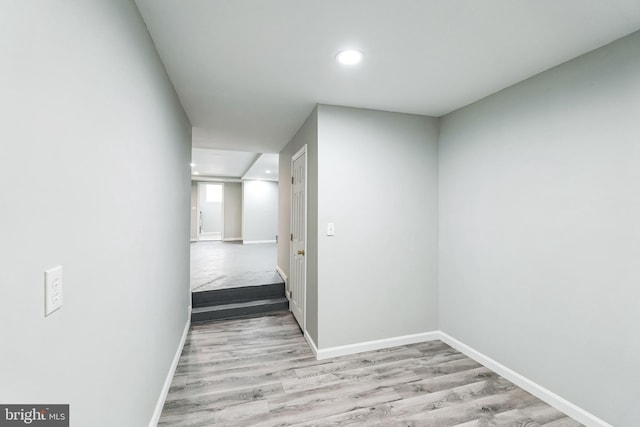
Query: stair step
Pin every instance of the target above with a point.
(238, 309)
(236, 295)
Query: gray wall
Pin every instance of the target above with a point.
(91, 130)
(539, 234)
(306, 135)
(232, 210)
(259, 210)
(378, 182)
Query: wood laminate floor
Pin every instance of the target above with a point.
(260, 372)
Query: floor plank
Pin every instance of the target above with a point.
(260, 372)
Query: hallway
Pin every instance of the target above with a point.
(224, 265)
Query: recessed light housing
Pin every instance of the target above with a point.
(267, 171)
(349, 57)
(193, 165)
(196, 173)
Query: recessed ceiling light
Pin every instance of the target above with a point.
(193, 165)
(267, 171)
(196, 173)
(349, 57)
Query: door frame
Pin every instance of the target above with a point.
(297, 155)
(199, 209)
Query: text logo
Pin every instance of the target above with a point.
(34, 415)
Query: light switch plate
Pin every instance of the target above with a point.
(52, 290)
(331, 230)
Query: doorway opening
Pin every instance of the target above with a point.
(210, 211)
(234, 236)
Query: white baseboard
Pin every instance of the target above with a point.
(343, 350)
(257, 242)
(231, 239)
(526, 384)
(172, 370)
(521, 381)
(284, 276)
(312, 344)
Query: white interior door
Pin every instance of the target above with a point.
(298, 280)
(210, 220)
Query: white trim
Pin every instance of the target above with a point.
(312, 345)
(281, 273)
(285, 278)
(172, 370)
(200, 178)
(256, 242)
(526, 384)
(231, 239)
(343, 350)
(274, 179)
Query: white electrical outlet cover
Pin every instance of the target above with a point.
(52, 290)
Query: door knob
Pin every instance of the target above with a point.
(300, 252)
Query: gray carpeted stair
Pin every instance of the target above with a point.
(238, 302)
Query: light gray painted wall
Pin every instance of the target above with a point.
(540, 229)
(306, 135)
(259, 210)
(232, 210)
(94, 176)
(378, 182)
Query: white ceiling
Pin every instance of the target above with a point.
(221, 163)
(208, 163)
(248, 72)
(265, 168)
